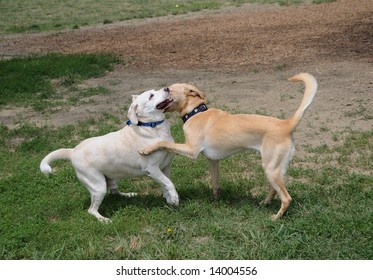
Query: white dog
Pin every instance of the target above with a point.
(100, 162)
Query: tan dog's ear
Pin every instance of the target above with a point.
(133, 110)
(193, 91)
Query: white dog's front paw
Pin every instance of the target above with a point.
(103, 220)
(106, 221)
(173, 200)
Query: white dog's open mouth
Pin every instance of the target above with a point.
(165, 104)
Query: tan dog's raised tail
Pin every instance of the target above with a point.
(218, 134)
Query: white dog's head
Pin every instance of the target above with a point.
(149, 106)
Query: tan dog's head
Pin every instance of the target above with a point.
(185, 98)
(149, 106)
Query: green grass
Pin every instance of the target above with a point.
(33, 80)
(45, 217)
(20, 16)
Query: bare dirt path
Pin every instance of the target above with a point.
(252, 35)
(240, 57)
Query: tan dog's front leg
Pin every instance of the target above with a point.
(181, 149)
(214, 173)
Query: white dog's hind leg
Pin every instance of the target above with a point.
(96, 200)
(96, 185)
(168, 188)
(113, 188)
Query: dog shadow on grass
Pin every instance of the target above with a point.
(230, 197)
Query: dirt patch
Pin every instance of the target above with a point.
(243, 37)
(240, 57)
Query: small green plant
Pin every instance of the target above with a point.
(280, 67)
(69, 80)
(107, 21)
(286, 96)
(361, 111)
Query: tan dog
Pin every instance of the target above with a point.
(218, 134)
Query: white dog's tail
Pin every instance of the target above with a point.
(309, 93)
(58, 154)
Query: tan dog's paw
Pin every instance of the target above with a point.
(145, 152)
(274, 217)
(265, 202)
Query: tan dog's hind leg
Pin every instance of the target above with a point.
(214, 173)
(269, 198)
(278, 184)
(275, 161)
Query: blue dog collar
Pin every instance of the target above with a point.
(149, 124)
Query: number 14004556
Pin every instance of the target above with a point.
(233, 271)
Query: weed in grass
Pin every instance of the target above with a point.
(324, 128)
(262, 112)
(362, 112)
(107, 21)
(69, 80)
(286, 96)
(281, 67)
(282, 115)
(335, 137)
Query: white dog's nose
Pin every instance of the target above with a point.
(166, 89)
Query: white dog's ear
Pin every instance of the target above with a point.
(132, 113)
(133, 110)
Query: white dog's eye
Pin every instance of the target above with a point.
(151, 96)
